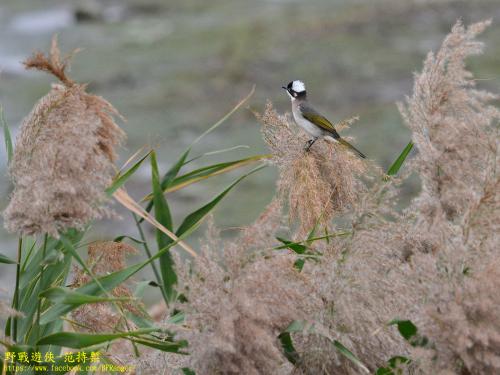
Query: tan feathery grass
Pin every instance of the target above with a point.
(450, 121)
(317, 184)
(468, 323)
(64, 155)
(432, 263)
(5, 310)
(103, 258)
(456, 130)
(239, 299)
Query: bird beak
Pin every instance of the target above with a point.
(284, 88)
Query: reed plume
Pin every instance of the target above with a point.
(434, 263)
(240, 299)
(456, 130)
(64, 155)
(103, 259)
(317, 184)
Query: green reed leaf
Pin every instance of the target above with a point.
(349, 355)
(394, 168)
(7, 137)
(294, 246)
(79, 340)
(193, 220)
(288, 349)
(167, 179)
(122, 178)
(163, 216)
(6, 260)
(108, 283)
(410, 332)
(164, 346)
(71, 297)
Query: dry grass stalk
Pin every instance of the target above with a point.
(63, 158)
(127, 201)
(316, 184)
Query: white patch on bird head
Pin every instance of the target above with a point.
(298, 86)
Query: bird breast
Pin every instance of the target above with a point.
(309, 127)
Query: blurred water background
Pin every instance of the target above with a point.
(173, 68)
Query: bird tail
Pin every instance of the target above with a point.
(351, 147)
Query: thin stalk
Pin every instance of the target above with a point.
(39, 306)
(15, 301)
(148, 252)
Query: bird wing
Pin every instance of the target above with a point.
(318, 119)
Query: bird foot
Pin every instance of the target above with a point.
(309, 144)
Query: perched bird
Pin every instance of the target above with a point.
(315, 124)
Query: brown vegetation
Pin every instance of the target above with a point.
(104, 258)
(63, 158)
(317, 184)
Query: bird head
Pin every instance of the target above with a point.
(296, 90)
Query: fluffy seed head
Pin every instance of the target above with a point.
(435, 263)
(315, 184)
(240, 299)
(467, 326)
(104, 258)
(63, 158)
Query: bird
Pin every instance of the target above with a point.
(314, 123)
